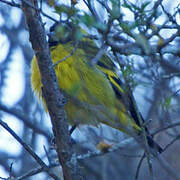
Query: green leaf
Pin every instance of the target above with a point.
(132, 7)
(167, 102)
(143, 42)
(101, 26)
(88, 20)
(66, 9)
(144, 5)
(51, 2)
(61, 32)
(115, 12)
(78, 35)
(127, 27)
(61, 9)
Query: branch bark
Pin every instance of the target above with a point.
(54, 98)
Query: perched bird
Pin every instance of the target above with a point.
(95, 93)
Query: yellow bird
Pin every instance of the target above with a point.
(94, 93)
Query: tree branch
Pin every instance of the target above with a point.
(54, 99)
(26, 120)
(28, 149)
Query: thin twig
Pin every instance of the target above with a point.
(26, 120)
(172, 142)
(35, 171)
(98, 56)
(139, 166)
(92, 9)
(66, 57)
(168, 168)
(30, 173)
(40, 10)
(144, 133)
(3, 178)
(28, 149)
(167, 127)
(112, 149)
(13, 4)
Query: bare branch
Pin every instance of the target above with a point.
(27, 121)
(139, 166)
(12, 3)
(167, 167)
(28, 149)
(54, 98)
(174, 124)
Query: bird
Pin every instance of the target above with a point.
(95, 93)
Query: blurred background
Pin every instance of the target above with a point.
(156, 87)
